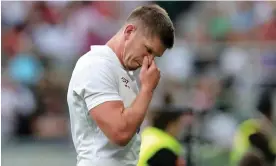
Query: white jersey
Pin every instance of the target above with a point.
(99, 77)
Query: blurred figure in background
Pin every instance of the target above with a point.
(256, 136)
(160, 145)
(260, 153)
(17, 102)
(262, 147)
(51, 123)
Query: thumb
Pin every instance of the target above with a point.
(145, 64)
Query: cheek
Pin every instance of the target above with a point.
(128, 51)
(140, 57)
(138, 54)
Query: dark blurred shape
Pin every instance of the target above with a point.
(166, 116)
(158, 159)
(265, 103)
(261, 142)
(268, 61)
(251, 159)
(168, 100)
(51, 122)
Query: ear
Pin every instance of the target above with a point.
(129, 29)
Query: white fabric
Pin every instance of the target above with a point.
(99, 77)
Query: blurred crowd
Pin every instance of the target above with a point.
(223, 56)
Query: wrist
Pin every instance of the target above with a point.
(146, 90)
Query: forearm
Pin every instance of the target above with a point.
(135, 114)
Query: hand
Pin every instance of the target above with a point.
(149, 75)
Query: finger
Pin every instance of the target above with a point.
(153, 64)
(159, 72)
(145, 64)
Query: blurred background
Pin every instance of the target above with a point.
(224, 57)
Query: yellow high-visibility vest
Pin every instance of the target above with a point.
(154, 139)
(241, 142)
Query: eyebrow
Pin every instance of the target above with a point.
(154, 52)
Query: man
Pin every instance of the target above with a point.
(255, 137)
(160, 146)
(260, 154)
(105, 106)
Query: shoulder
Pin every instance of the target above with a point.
(96, 57)
(249, 126)
(95, 62)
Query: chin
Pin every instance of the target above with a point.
(132, 68)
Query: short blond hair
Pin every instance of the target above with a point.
(157, 21)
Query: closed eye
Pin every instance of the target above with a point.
(149, 50)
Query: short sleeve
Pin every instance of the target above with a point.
(97, 84)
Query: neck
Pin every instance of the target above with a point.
(116, 45)
(170, 131)
(265, 117)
